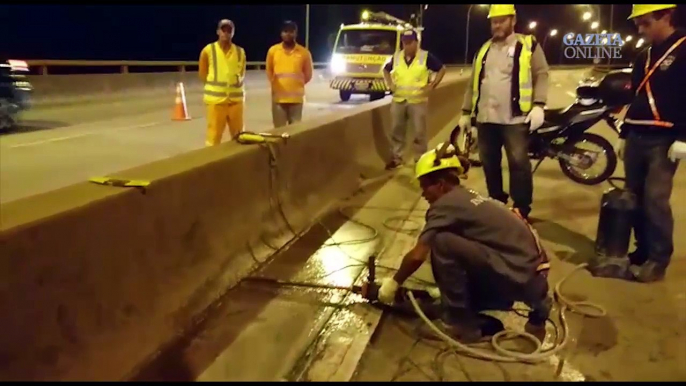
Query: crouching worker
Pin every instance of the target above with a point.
(483, 255)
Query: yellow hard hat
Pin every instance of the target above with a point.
(501, 10)
(643, 9)
(427, 163)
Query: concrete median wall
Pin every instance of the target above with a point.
(96, 279)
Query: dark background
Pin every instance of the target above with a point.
(178, 32)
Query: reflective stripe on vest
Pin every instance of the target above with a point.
(524, 76)
(657, 121)
(224, 80)
(410, 80)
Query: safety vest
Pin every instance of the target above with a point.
(409, 80)
(289, 80)
(225, 76)
(648, 71)
(522, 97)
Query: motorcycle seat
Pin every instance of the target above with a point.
(558, 116)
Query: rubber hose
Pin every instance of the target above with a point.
(505, 355)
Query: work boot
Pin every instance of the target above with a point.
(637, 257)
(393, 164)
(649, 272)
(539, 314)
(613, 268)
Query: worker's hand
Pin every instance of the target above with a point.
(619, 149)
(428, 87)
(388, 289)
(677, 151)
(392, 88)
(465, 122)
(535, 118)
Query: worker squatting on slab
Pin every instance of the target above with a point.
(289, 69)
(483, 255)
(408, 77)
(506, 96)
(652, 140)
(222, 69)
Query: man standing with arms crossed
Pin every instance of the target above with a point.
(222, 70)
(289, 69)
(407, 75)
(653, 139)
(508, 92)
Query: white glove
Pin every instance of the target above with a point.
(536, 117)
(619, 149)
(387, 291)
(465, 122)
(677, 151)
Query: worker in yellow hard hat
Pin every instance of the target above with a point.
(483, 255)
(506, 98)
(653, 140)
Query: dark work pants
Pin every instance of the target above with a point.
(650, 176)
(515, 139)
(469, 275)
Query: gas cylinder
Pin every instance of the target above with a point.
(617, 208)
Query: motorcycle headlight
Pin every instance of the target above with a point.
(337, 64)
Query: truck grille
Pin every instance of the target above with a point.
(359, 68)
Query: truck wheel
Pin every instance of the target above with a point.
(375, 96)
(345, 95)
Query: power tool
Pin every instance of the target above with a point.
(369, 290)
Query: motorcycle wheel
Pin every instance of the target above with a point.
(571, 171)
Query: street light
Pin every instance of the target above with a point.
(587, 15)
(603, 31)
(532, 25)
(629, 38)
(552, 33)
(639, 43)
(466, 39)
(595, 25)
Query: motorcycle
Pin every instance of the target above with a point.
(564, 131)
(15, 92)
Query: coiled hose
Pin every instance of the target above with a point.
(504, 355)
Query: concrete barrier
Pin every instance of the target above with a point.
(96, 279)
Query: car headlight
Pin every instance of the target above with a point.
(337, 64)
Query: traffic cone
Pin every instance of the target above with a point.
(180, 112)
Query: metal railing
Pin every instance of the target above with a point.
(124, 65)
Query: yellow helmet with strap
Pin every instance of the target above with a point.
(443, 157)
(644, 9)
(501, 10)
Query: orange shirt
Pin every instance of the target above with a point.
(288, 72)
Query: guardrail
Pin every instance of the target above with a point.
(125, 65)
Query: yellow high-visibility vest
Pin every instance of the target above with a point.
(523, 77)
(225, 76)
(409, 80)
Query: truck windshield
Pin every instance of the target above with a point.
(366, 41)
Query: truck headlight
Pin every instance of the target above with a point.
(337, 64)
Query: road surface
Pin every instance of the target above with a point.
(64, 145)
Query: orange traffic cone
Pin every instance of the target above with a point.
(180, 112)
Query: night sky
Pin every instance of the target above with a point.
(178, 32)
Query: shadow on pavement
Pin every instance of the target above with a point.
(583, 248)
(28, 126)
